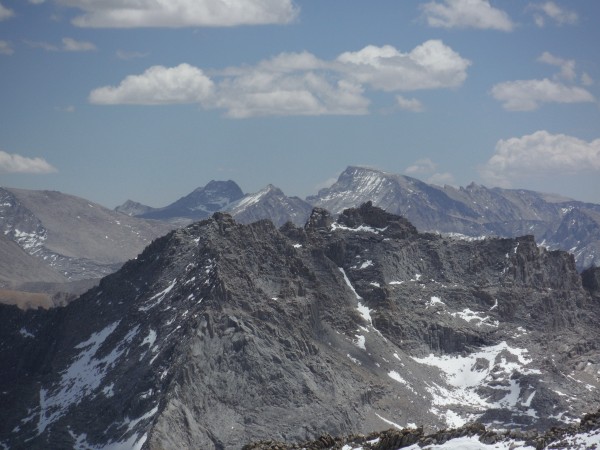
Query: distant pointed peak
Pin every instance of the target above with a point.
(269, 189)
(272, 188)
(256, 197)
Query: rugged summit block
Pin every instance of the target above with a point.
(220, 334)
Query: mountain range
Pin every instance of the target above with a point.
(57, 246)
(473, 211)
(220, 334)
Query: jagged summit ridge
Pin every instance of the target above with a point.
(221, 334)
(270, 203)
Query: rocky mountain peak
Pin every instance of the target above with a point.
(132, 208)
(220, 334)
(199, 204)
(270, 203)
(216, 191)
(320, 219)
(372, 216)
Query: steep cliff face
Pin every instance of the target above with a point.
(220, 334)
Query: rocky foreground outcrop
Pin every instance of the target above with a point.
(585, 435)
(220, 334)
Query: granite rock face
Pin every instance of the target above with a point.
(220, 334)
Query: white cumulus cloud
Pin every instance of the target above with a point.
(441, 179)
(127, 55)
(426, 167)
(550, 10)
(540, 154)
(527, 95)
(567, 66)
(288, 84)
(262, 94)
(431, 65)
(586, 79)
(5, 13)
(68, 45)
(296, 83)
(6, 48)
(157, 85)
(466, 14)
(409, 104)
(181, 13)
(421, 166)
(13, 163)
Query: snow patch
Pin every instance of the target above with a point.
(354, 360)
(396, 376)
(434, 301)
(358, 297)
(158, 298)
(82, 377)
(463, 237)
(360, 341)
(364, 265)
(582, 441)
(26, 334)
(365, 313)
(135, 442)
(150, 339)
(467, 378)
(468, 316)
(472, 443)
(337, 226)
(389, 422)
(131, 424)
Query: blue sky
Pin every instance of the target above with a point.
(149, 99)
